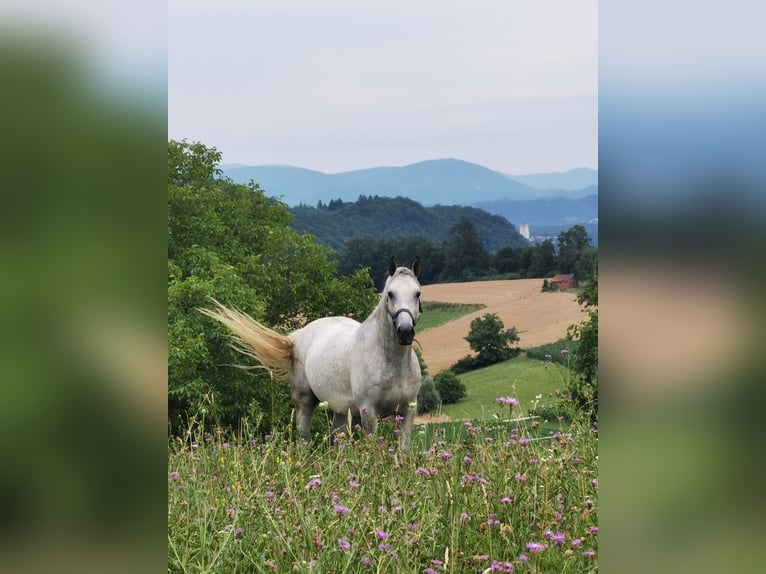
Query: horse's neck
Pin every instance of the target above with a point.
(379, 327)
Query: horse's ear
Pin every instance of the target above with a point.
(391, 265)
(416, 266)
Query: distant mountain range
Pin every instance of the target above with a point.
(547, 202)
(432, 182)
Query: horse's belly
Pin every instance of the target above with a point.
(323, 348)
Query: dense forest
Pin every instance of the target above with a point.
(333, 224)
(463, 256)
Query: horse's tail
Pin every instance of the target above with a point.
(273, 350)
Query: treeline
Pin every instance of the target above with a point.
(464, 257)
(335, 223)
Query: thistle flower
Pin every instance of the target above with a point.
(536, 547)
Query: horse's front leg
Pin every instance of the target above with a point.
(406, 426)
(369, 420)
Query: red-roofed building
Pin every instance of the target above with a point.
(562, 282)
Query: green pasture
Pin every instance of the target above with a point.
(532, 382)
(436, 313)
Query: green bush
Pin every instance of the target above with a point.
(428, 397)
(554, 351)
(450, 387)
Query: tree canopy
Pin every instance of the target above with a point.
(233, 243)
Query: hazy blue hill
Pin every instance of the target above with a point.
(571, 180)
(393, 217)
(545, 211)
(293, 184)
(439, 181)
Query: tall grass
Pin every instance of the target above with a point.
(498, 498)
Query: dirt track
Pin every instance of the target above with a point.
(538, 317)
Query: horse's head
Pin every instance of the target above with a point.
(402, 299)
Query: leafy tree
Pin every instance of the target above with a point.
(233, 243)
(490, 341)
(465, 257)
(543, 261)
(428, 397)
(584, 388)
(451, 388)
(572, 243)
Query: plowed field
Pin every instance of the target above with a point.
(538, 317)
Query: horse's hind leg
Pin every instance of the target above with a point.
(340, 424)
(304, 408)
(305, 402)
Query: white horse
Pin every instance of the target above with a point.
(366, 369)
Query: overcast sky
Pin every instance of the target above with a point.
(340, 85)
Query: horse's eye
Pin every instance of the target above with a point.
(390, 295)
(417, 295)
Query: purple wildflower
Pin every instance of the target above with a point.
(313, 483)
(366, 561)
(548, 357)
(594, 483)
(174, 475)
(593, 529)
(423, 471)
(430, 570)
(238, 532)
(507, 401)
(230, 512)
(383, 547)
(555, 537)
(564, 351)
(344, 544)
(464, 516)
(467, 459)
(436, 563)
(536, 547)
(589, 554)
(523, 558)
(340, 509)
(380, 535)
(507, 499)
(445, 454)
(576, 542)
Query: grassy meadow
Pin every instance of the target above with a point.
(533, 383)
(505, 497)
(490, 491)
(436, 313)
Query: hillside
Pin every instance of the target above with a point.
(572, 180)
(546, 211)
(432, 182)
(338, 222)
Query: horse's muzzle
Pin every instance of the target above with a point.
(404, 321)
(405, 334)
